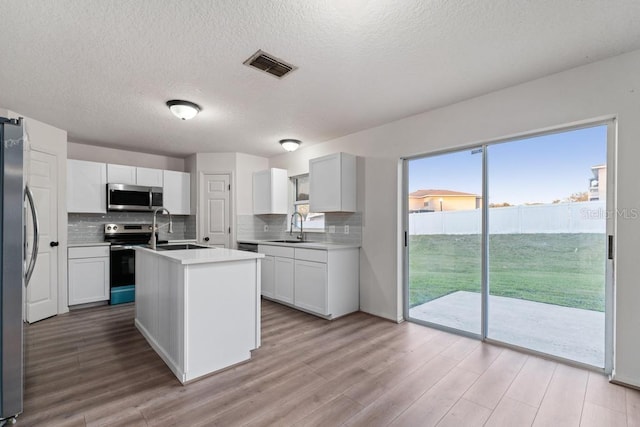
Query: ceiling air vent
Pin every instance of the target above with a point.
(269, 64)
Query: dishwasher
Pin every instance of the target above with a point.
(249, 247)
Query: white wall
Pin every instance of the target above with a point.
(606, 88)
(241, 167)
(94, 153)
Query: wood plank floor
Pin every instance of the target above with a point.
(92, 368)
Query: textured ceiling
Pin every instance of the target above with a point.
(103, 70)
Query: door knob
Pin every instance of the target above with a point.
(54, 244)
(206, 239)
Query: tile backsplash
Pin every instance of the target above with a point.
(252, 227)
(89, 228)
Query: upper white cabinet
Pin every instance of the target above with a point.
(332, 183)
(86, 187)
(270, 192)
(149, 177)
(177, 192)
(121, 174)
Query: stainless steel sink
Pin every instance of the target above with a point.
(180, 247)
(286, 241)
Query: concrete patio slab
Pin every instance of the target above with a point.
(572, 333)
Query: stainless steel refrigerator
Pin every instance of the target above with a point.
(15, 271)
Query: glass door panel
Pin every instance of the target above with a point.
(445, 240)
(547, 243)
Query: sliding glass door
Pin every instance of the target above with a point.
(508, 242)
(445, 240)
(547, 243)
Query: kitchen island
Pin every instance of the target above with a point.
(199, 308)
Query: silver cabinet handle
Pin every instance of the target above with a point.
(36, 231)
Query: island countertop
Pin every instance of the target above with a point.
(202, 256)
(327, 246)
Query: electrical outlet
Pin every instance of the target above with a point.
(266, 228)
(332, 229)
(346, 229)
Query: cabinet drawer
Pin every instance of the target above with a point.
(316, 255)
(281, 251)
(89, 252)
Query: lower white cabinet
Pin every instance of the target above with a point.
(88, 274)
(267, 273)
(311, 286)
(318, 281)
(284, 279)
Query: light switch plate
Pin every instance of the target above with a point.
(346, 229)
(266, 228)
(332, 229)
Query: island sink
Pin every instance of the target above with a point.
(181, 247)
(287, 241)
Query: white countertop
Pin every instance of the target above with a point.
(85, 244)
(203, 256)
(306, 245)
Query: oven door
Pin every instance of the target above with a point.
(123, 266)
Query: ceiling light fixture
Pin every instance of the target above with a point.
(290, 144)
(184, 110)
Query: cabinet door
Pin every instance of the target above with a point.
(86, 187)
(177, 192)
(332, 183)
(284, 279)
(268, 276)
(270, 192)
(88, 280)
(262, 192)
(121, 174)
(149, 177)
(311, 290)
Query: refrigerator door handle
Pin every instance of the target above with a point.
(36, 231)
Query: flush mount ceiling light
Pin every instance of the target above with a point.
(184, 110)
(290, 144)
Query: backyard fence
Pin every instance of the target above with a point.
(579, 217)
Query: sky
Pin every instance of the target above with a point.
(531, 170)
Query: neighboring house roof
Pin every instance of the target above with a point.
(432, 193)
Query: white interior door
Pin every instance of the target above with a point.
(214, 207)
(42, 291)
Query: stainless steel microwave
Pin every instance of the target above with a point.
(125, 197)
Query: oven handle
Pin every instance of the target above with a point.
(115, 248)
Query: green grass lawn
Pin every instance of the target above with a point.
(561, 269)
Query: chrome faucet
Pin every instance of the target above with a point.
(301, 236)
(152, 242)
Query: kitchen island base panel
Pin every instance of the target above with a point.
(199, 318)
(220, 321)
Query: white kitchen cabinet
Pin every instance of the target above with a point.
(270, 192)
(311, 290)
(332, 183)
(318, 281)
(327, 282)
(283, 276)
(149, 177)
(277, 273)
(268, 276)
(86, 187)
(121, 174)
(177, 192)
(88, 269)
